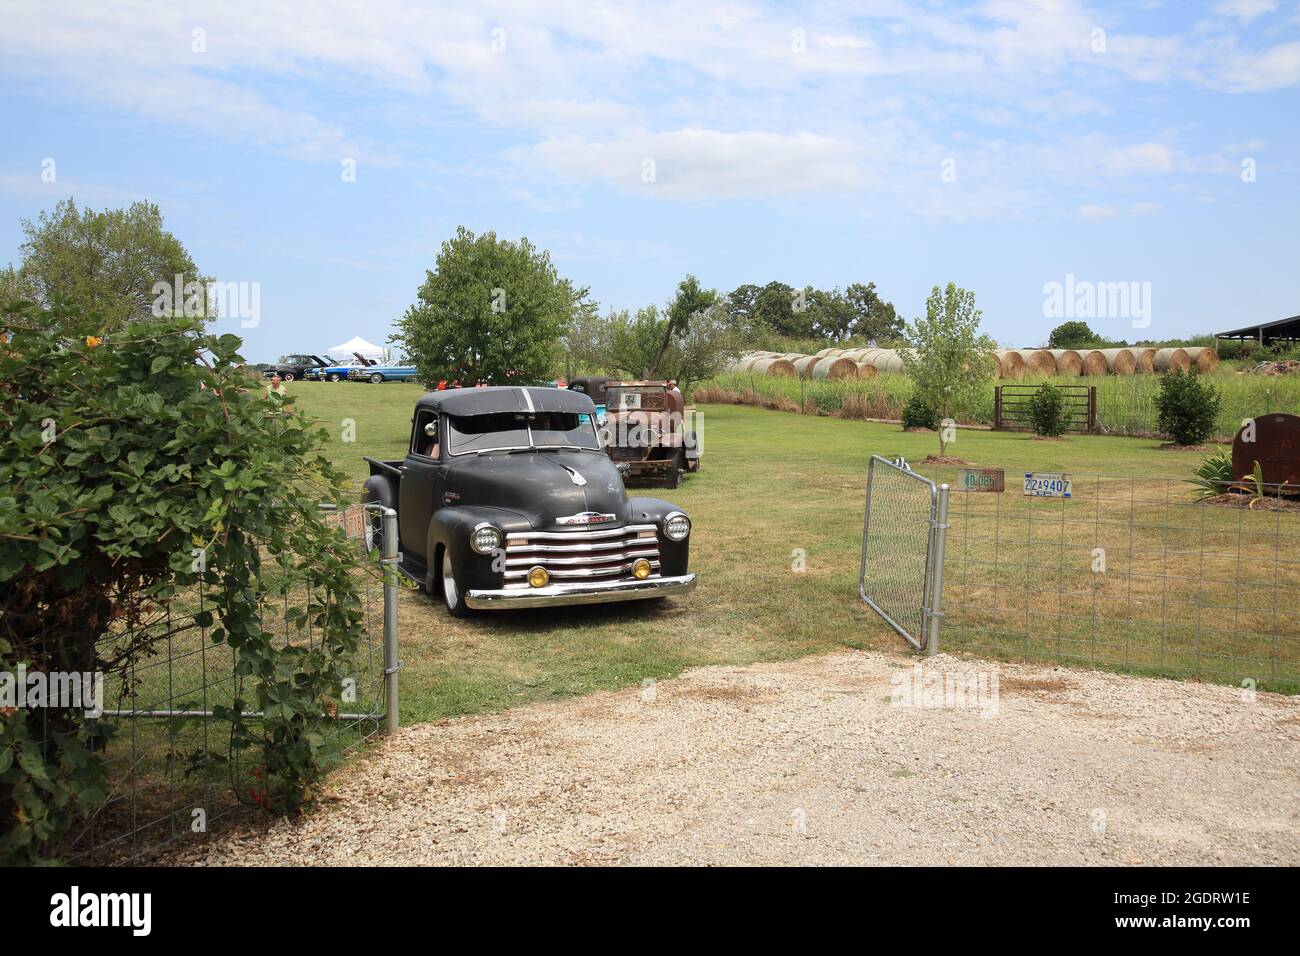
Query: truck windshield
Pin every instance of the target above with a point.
(637, 399)
(507, 431)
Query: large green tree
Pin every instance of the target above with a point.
(102, 263)
(695, 336)
(873, 317)
(691, 298)
(1071, 335)
(490, 310)
(834, 314)
(948, 359)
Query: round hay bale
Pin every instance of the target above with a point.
(1205, 359)
(1146, 360)
(1094, 362)
(1120, 361)
(1038, 361)
(1010, 364)
(1171, 359)
(826, 353)
(836, 367)
(867, 371)
(883, 360)
(779, 367)
(1069, 363)
(804, 366)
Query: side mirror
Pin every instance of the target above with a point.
(431, 429)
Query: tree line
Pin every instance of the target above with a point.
(489, 310)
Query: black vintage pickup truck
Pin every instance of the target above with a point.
(506, 499)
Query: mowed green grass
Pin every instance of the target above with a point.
(1126, 404)
(777, 511)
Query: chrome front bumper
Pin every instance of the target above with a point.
(555, 595)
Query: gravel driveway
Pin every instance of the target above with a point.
(816, 761)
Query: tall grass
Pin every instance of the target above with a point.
(1126, 404)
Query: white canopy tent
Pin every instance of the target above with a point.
(361, 346)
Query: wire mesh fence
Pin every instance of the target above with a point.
(171, 771)
(1147, 575)
(897, 576)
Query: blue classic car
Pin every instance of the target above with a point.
(383, 373)
(335, 373)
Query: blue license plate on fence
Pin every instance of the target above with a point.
(1047, 486)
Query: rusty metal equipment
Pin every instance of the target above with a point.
(1274, 442)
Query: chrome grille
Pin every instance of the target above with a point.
(571, 556)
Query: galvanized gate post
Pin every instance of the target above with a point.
(389, 560)
(938, 538)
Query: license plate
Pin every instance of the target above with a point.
(1047, 486)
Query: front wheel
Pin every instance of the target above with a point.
(675, 473)
(333, 376)
(287, 377)
(376, 378)
(452, 596)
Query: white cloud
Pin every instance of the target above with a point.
(1094, 212)
(707, 163)
(1273, 69)
(1245, 10)
(1138, 158)
(718, 95)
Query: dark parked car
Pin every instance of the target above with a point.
(291, 367)
(594, 386)
(505, 499)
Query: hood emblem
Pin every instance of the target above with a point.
(586, 517)
(574, 476)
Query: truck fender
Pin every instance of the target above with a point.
(451, 527)
(381, 489)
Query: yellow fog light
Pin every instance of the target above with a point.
(538, 577)
(640, 569)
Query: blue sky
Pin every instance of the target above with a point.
(806, 143)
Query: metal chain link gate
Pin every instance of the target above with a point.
(903, 533)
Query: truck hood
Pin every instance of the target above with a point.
(543, 486)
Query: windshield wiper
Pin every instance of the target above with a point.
(516, 451)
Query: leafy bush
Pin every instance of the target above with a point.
(125, 459)
(1186, 407)
(1047, 411)
(917, 413)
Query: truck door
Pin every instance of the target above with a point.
(423, 477)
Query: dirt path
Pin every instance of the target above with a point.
(812, 762)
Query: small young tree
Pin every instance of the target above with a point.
(1187, 407)
(948, 359)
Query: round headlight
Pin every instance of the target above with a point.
(485, 539)
(677, 526)
(537, 577)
